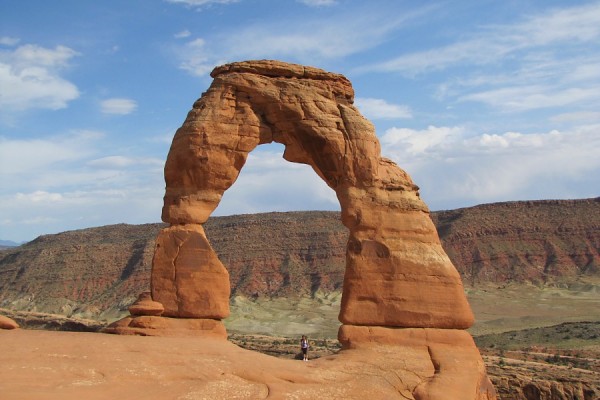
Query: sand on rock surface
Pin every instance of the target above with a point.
(74, 365)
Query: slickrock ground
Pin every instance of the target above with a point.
(69, 365)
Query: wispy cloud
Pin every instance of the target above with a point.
(183, 34)
(34, 156)
(577, 116)
(121, 162)
(118, 106)
(269, 183)
(547, 60)
(311, 40)
(381, 109)
(9, 41)
(558, 26)
(453, 165)
(30, 78)
(65, 180)
(318, 3)
(523, 98)
(201, 3)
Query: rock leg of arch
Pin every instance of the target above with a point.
(398, 278)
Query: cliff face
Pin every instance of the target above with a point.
(83, 272)
(281, 254)
(533, 241)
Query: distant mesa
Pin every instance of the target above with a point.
(400, 288)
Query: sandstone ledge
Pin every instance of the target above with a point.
(147, 325)
(7, 323)
(273, 68)
(69, 366)
(456, 367)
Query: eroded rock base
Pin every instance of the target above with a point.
(7, 323)
(448, 359)
(68, 365)
(147, 325)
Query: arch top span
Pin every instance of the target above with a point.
(397, 273)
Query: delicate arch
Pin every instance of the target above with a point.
(397, 273)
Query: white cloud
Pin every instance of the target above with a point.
(120, 162)
(577, 116)
(201, 3)
(381, 109)
(33, 55)
(9, 41)
(118, 106)
(64, 182)
(39, 196)
(579, 24)
(269, 183)
(19, 156)
(40, 212)
(417, 142)
(111, 162)
(454, 166)
(183, 34)
(547, 60)
(524, 98)
(318, 3)
(307, 41)
(39, 221)
(30, 78)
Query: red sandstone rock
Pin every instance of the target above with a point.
(7, 323)
(73, 366)
(187, 276)
(144, 305)
(397, 273)
(457, 369)
(147, 325)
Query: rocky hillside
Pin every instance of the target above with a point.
(533, 241)
(90, 271)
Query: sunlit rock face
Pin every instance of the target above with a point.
(397, 273)
(401, 293)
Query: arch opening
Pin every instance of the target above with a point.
(286, 260)
(269, 183)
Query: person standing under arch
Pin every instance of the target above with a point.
(304, 347)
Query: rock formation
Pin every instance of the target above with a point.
(7, 323)
(397, 274)
(144, 305)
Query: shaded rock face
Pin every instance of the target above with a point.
(397, 273)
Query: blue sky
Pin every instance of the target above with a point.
(480, 101)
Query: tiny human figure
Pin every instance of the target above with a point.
(304, 346)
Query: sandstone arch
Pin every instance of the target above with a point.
(397, 274)
(403, 307)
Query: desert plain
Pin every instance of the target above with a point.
(259, 361)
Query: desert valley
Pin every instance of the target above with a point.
(530, 271)
(492, 301)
